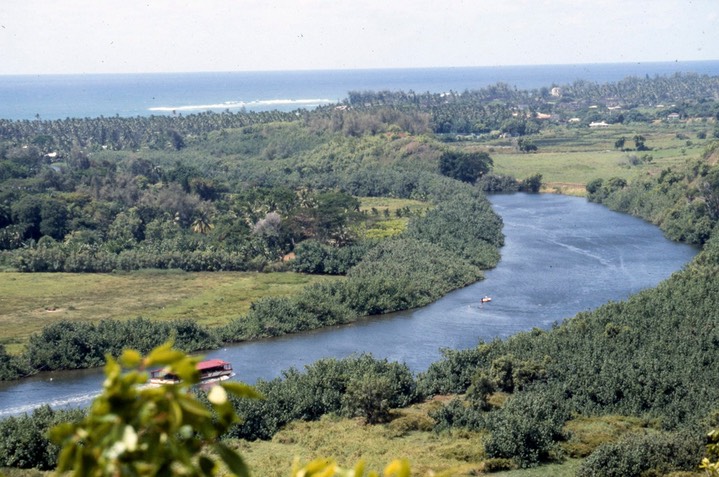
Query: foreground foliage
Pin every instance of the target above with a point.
(133, 430)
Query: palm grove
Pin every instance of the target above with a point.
(240, 191)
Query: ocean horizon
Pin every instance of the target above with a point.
(51, 96)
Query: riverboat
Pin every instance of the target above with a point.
(211, 371)
(486, 299)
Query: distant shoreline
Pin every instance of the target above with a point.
(29, 97)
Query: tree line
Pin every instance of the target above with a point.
(502, 109)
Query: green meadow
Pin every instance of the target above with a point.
(387, 217)
(31, 301)
(569, 158)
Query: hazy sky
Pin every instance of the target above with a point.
(113, 36)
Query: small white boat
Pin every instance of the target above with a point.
(486, 299)
(211, 371)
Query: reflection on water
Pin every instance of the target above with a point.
(562, 255)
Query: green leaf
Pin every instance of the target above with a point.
(130, 358)
(112, 368)
(207, 466)
(187, 371)
(192, 406)
(232, 459)
(242, 390)
(398, 468)
(176, 413)
(65, 458)
(359, 468)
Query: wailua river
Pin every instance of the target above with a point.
(562, 255)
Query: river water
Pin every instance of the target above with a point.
(562, 255)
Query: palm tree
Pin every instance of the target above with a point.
(201, 224)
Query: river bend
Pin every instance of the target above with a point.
(562, 255)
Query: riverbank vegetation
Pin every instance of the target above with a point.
(630, 389)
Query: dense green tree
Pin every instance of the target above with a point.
(26, 213)
(126, 230)
(11, 366)
(465, 166)
(526, 145)
(53, 218)
(640, 143)
(532, 183)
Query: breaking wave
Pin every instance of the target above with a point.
(265, 103)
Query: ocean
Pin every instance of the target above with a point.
(61, 96)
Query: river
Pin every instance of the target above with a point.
(562, 255)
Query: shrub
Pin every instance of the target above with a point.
(455, 371)
(637, 455)
(457, 413)
(327, 386)
(531, 184)
(11, 367)
(368, 397)
(23, 439)
(498, 465)
(526, 429)
(496, 183)
(409, 423)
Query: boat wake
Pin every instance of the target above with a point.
(67, 402)
(581, 251)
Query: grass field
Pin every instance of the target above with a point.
(568, 158)
(33, 300)
(391, 204)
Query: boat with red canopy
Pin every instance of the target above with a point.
(211, 371)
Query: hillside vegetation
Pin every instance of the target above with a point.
(630, 388)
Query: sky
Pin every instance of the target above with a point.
(133, 36)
